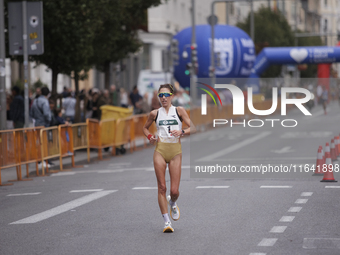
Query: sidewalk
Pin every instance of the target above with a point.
(80, 158)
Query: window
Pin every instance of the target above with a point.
(325, 25)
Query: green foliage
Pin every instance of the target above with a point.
(19, 83)
(271, 30)
(117, 35)
(81, 33)
(312, 70)
(38, 84)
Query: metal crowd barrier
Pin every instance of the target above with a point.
(125, 132)
(28, 148)
(31, 145)
(80, 138)
(139, 121)
(8, 152)
(50, 146)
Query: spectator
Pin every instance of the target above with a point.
(17, 108)
(135, 97)
(186, 97)
(56, 115)
(144, 105)
(69, 106)
(106, 97)
(178, 98)
(319, 93)
(37, 93)
(155, 104)
(65, 92)
(124, 101)
(228, 97)
(40, 110)
(114, 96)
(97, 102)
(89, 105)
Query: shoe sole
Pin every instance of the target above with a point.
(179, 212)
(168, 230)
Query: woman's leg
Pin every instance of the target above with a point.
(160, 168)
(175, 165)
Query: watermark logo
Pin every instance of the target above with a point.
(239, 102)
(204, 97)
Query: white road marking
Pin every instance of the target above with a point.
(321, 243)
(295, 209)
(301, 201)
(212, 187)
(276, 187)
(64, 208)
(257, 253)
(86, 190)
(110, 171)
(287, 218)
(120, 164)
(235, 147)
(278, 229)
(63, 174)
(283, 150)
(145, 188)
(305, 134)
(306, 194)
(267, 242)
(23, 194)
(332, 187)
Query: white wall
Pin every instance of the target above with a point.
(168, 19)
(43, 73)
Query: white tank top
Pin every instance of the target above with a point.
(165, 122)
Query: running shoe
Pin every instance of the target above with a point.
(174, 210)
(168, 228)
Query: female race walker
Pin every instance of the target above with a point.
(168, 150)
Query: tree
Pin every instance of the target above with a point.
(271, 30)
(117, 36)
(311, 70)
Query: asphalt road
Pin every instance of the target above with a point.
(110, 206)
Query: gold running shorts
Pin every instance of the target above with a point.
(168, 150)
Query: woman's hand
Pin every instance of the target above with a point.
(153, 140)
(176, 133)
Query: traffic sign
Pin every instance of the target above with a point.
(212, 20)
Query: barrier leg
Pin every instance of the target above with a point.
(27, 171)
(53, 171)
(19, 175)
(73, 164)
(100, 156)
(88, 154)
(37, 169)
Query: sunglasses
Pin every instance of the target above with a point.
(164, 94)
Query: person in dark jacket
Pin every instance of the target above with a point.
(97, 101)
(17, 108)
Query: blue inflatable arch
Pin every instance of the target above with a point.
(294, 55)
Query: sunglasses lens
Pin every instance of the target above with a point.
(164, 94)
